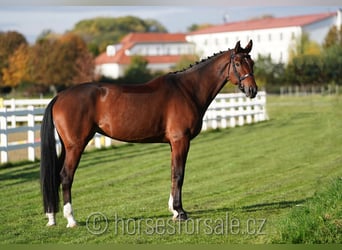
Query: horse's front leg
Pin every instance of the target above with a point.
(179, 152)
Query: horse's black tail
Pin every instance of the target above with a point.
(49, 164)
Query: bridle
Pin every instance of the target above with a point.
(240, 78)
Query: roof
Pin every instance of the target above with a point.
(265, 23)
(132, 39)
(152, 37)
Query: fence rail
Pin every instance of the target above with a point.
(25, 116)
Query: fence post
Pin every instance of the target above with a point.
(204, 122)
(223, 113)
(264, 109)
(3, 136)
(13, 121)
(232, 111)
(30, 133)
(108, 141)
(241, 112)
(249, 111)
(97, 141)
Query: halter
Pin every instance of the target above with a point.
(241, 78)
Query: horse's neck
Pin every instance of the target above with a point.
(205, 81)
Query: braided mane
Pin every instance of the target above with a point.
(198, 63)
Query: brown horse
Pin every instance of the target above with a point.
(168, 109)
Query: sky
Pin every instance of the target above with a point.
(31, 20)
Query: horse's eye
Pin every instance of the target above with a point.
(237, 64)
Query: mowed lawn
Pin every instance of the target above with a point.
(240, 186)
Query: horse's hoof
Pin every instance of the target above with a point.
(50, 224)
(180, 217)
(71, 225)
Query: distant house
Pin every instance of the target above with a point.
(162, 51)
(271, 36)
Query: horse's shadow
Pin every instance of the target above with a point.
(195, 214)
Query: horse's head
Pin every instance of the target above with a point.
(241, 69)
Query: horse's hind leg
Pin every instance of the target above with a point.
(72, 158)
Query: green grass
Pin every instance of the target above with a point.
(317, 221)
(249, 184)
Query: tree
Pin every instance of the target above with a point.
(333, 64)
(101, 31)
(137, 71)
(305, 64)
(17, 70)
(334, 37)
(195, 27)
(306, 69)
(79, 60)
(268, 72)
(60, 62)
(304, 46)
(9, 42)
(185, 62)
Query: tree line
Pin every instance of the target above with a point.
(309, 63)
(47, 65)
(56, 61)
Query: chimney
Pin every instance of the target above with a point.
(110, 50)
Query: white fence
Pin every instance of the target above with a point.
(227, 110)
(230, 110)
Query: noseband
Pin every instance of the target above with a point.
(241, 78)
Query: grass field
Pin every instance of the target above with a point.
(273, 182)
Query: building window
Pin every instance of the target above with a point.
(259, 38)
(269, 37)
(227, 41)
(281, 36)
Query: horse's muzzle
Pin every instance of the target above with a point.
(250, 91)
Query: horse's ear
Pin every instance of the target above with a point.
(237, 47)
(248, 47)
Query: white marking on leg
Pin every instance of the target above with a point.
(175, 213)
(68, 214)
(52, 219)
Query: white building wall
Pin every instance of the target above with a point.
(272, 42)
(114, 70)
(111, 70)
(275, 42)
(318, 31)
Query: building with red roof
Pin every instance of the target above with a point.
(271, 36)
(162, 51)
